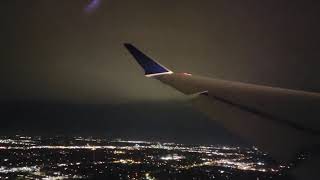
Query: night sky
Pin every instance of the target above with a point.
(64, 69)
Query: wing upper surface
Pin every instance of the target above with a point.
(282, 122)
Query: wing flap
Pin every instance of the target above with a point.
(281, 141)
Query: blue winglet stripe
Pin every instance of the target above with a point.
(150, 66)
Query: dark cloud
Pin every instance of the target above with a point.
(53, 50)
(161, 121)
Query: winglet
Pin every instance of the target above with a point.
(150, 66)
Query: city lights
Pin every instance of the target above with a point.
(47, 158)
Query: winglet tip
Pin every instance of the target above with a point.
(150, 66)
(127, 44)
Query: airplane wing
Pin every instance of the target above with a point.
(280, 121)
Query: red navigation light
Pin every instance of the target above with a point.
(188, 74)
